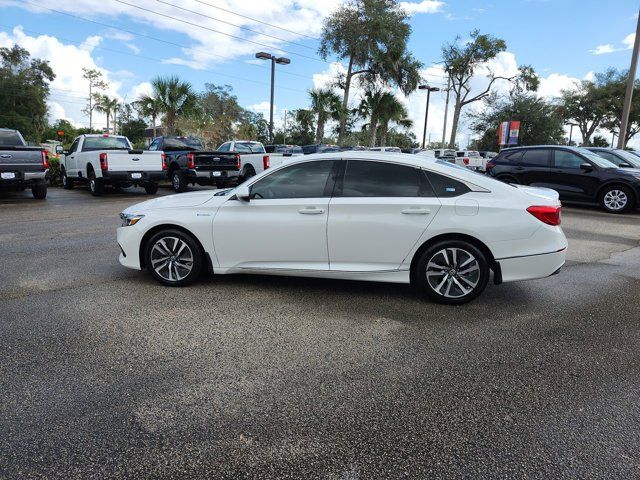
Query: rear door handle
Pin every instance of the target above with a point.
(416, 211)
(311, 211)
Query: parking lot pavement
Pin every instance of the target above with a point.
(105, 374)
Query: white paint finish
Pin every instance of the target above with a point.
(368, 234)
(466, 207)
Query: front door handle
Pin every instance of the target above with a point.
(416, 211)
(311, 211)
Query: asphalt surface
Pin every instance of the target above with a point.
(106, 374)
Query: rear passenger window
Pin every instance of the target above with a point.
(536, 157)
(445, 186)
(380, 179)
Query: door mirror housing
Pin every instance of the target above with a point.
(587, 167)
(243, 193)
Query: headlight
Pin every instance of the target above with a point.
(129, 219)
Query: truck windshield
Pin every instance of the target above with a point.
(249, 147)
(10, 138)
(182, 143)
(105, 143)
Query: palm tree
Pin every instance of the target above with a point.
(325, 103)
(175, 97)
(106, 105)
(149, 106)
(370, 108)
(391, 110)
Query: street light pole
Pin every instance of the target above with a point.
(622, 137)
(426, 112)
(274, 60)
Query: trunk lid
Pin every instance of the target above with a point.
(540, 195)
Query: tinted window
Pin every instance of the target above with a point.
(565, 159)
(154, 145)
(74, 145)
(249, 147)
(224, 147)
(303, 180)
(507, 158)
(536, 157)
(446, 186)
(105, 143)
(10, 139)
(182, 143)
(611, 157)
(379, 179)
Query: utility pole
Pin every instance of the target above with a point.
(624, 121)
(446, 110)
(426, 112)
(285, 128)
(274, 60)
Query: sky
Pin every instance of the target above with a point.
(214, 41)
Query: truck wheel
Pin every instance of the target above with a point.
(248, 173)
(67, 183)
(173, 258)
(178, 181)
(95, 185)
(151, 188)
(39, 191)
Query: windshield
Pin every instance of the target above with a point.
(630, 158)
(597, 159)
(10, 138)
(105, 143)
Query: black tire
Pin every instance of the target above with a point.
(616, 199)
(178, 181)
(248, 173)
(67, 183)
(450, 287)
(151, 188)
(95, 184)
(507, 179)
(39, 191)
(163, 271)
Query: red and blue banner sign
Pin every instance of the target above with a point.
(503, 133)
(514, 132)
(509, 133)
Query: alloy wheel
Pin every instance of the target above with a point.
(615, 199)
(172, 259)
(176, 181)
(453, 272)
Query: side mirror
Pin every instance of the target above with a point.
(587, 167)
(243, 193)
(59, 149)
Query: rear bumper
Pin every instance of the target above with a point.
(145, 177)
(531, 266)
(213, 175)
(22, 179)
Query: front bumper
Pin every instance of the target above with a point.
(129, 239)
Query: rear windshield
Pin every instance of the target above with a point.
(10, 139)
(105, 143)
(182, 143)
(249, 147)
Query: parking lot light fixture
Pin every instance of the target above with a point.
(274, 60)
(426, 113)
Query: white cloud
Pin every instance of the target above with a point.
(263, 108)
(139, 90)
(118, 35)
(90, 43)
(628, 40)
(134, 48)
(425, 6)
(627, 43)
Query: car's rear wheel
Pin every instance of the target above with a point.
(39, 192)
(616, 199)
(95, 184)
(173, 258)
(452, 272)
(151, 188)
(178, 181)
(248, 173)
(67, 183)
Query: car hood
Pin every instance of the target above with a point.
(180, 200)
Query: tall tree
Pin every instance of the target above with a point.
(586, 106)
(107, 105)
(175, 96)
(371, 35)
(391, 110)
(96, 84)
(370, 109)
(149, 106)
(612, 85)
(462, 60)
(24, 88)
(325, 103)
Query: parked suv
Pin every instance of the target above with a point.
(577, 174)
(621, 158)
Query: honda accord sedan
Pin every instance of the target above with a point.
(371, 216)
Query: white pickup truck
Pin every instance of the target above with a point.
(110, 160)
(253, 157)
(471, 159)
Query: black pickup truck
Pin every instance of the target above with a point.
(186, 162)
(22, 166)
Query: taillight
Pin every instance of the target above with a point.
(265, 162)
(546, 214)
(465, 161)
(238, 164)
(489, 166)
(104, 164)
(191, 160)
(164, 161)
(45, 159)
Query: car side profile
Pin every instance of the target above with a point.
(358, 216)
(577, 174)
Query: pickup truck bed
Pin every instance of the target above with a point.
(24, 167)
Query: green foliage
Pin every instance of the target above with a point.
(300, 129)
(174, 97)
(54, 171)
(540, 122)
(599, 141)
(382, 108)
(134, 130)
(96, 83)
(106, 105)
(24, 89)
(325, 103)
(70, 132)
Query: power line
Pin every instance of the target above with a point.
(221, 33)
(256, 20)
(234, 25)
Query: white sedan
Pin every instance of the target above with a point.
(354, 215)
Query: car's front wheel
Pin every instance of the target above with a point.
(67, 183)
(173, 257)
(452, 272)
(616, 199)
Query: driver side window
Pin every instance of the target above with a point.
(154, 145)
(74, 146)
(303, 180)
